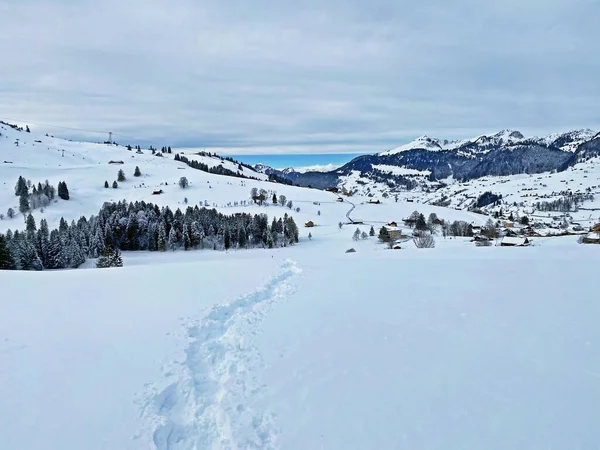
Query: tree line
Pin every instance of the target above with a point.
(565, 204)
(139, 226)
(217, 170)
(32, 196)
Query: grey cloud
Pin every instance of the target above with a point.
(305, 76)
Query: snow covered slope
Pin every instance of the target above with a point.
(567, 141)
(302, 347)
(85, 167)
(458, 347)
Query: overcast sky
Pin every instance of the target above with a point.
(305, 76)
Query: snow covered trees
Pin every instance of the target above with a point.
(120, 176)
(489, 230)
(115, 185)
(372, 231)
(356, 235)
(106, 184)
(24, 203)
(423, 239)
(21, 187)
(282, 200)
(183, 182)
(461, 228)
(110, 258)
(142, 226)
(10, 213)
(384, 235)
(6, 261)
(137, 172)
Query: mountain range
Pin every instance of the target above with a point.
(507, 152)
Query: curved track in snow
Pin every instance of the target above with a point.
(209, 404)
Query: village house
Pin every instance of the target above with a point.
(393, 231)
(591, 238)
(309, 224)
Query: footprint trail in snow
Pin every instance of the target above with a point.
(207, 406)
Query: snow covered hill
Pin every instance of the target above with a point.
(86, 166)
(305, 346)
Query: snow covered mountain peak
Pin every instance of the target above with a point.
(568, 142)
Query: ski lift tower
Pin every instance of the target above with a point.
(110, 137)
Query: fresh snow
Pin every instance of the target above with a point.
(294, 354)
(303, 347)
(504, 137)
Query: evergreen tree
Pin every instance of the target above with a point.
(384, 235)
(21, 187)
(120, 176)
(110, 258)
(132, 233)
(227, 239)
(174, 239)
(161, 242)
(24, 203)
(10, 213)
(309, 236)
(242, 238)
(187, 242)
(421, 223)
(106, 184)
(372, 231)
(356, 235)
(137, 172)
(44, 241)
(63, 191)
(115, 184)
(274, 198)
(97, 243)
(30, 227)
(364, 235)
(6, 260)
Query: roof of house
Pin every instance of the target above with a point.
(514, 240)
(593, 236)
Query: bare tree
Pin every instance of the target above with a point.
(423, 239)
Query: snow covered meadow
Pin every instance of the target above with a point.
(302, 347)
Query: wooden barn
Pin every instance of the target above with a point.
(157, 192)
(309, 224)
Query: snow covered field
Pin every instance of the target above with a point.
(307, 347)
(303, 347)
